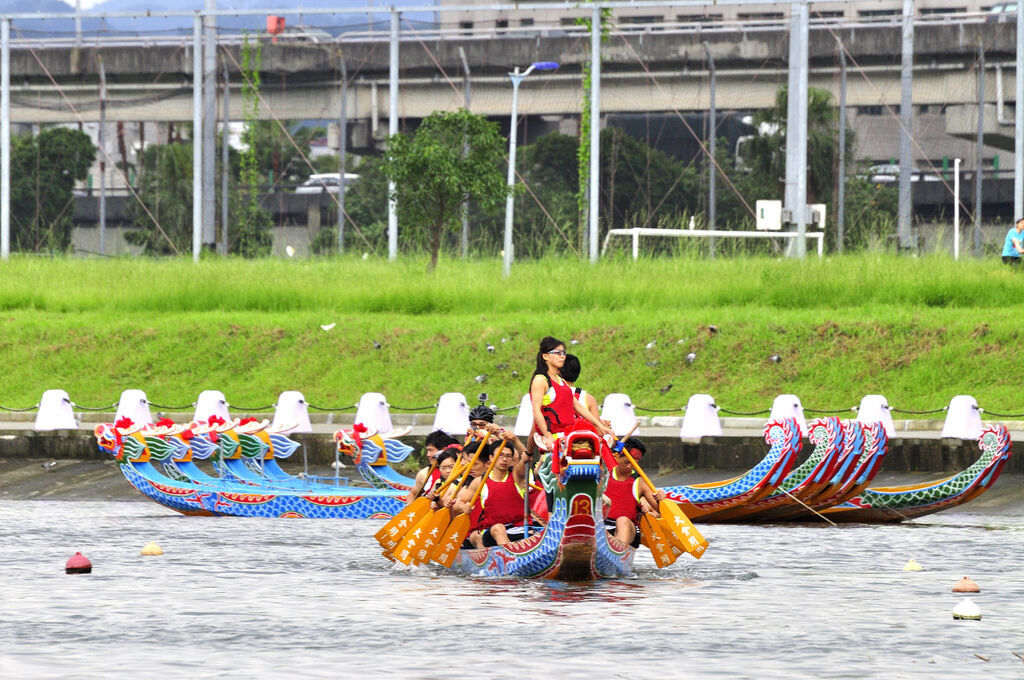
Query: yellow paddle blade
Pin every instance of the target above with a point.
(452, 540)
(396, 527)
(692, 540)
(674, 541)
(422, 548)
(656, 541)
(405, 550)
(387, 554)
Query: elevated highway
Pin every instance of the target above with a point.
(642, 71)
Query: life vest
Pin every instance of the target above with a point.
(432, 481)
(625, 497)
(557, 407)
(502, 502)
(580, 395)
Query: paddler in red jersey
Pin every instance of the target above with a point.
(426, 478)
(626, 495)
(556, 412)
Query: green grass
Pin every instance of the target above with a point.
(918, 330)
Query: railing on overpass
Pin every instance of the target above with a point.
(227, 36)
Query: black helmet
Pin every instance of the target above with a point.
(482, 412)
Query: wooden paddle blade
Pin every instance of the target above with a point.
(405, 550)
(423, 547)
(451, 542)
(392, 532)
(656, 541)
(692, 540)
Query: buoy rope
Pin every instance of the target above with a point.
(19, 410)
(162, 407)
(507, 408)
(98, 408)
(413, 408)
(659, 410)
(332, 408)
(833, 411)
(918, 413)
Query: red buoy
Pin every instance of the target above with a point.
(966, 585)
(78, 564)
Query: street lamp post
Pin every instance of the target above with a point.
(516, 77)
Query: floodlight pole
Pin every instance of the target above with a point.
(516, 77)
(1018, 118)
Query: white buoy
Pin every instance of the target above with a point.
(911, 565)
(967, 611)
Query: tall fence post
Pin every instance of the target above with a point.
(197, 132)
(222, 245)
(103, 157)
(595, 127)
(342, 154)
(465, 151)
(979, 159)
(796, 125)
(393, 130)
(210, 124)
(841, 199)
(5, 138)
(712, 145)
(906, 123)
(1018, 121)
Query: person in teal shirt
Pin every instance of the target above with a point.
(1013, 247)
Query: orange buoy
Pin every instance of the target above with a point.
(966, 585)
(78, 564)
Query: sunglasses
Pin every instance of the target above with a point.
(559, 352)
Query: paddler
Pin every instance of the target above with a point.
(627, 495)
(427, 477)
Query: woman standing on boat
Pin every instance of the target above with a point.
(556, 412)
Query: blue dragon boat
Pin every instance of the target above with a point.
(159, 462)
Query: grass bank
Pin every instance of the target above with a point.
(918, 330)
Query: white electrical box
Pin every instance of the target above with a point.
(769, 215)
(816, 213)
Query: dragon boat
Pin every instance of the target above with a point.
(573, 545)
(897, 503)
(837, 446)
(702, 502)
(159, 461)
(373, 455)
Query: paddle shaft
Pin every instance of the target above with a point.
(452, 531)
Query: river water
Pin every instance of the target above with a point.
(259, 598)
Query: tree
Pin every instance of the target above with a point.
(452, 157)
(768, 151)
(163, 213)
(44, 170)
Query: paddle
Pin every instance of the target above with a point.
(391, 533)
(411, 544)
(654, 539)
(674, 518)
(448, 547)
(424, 549)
